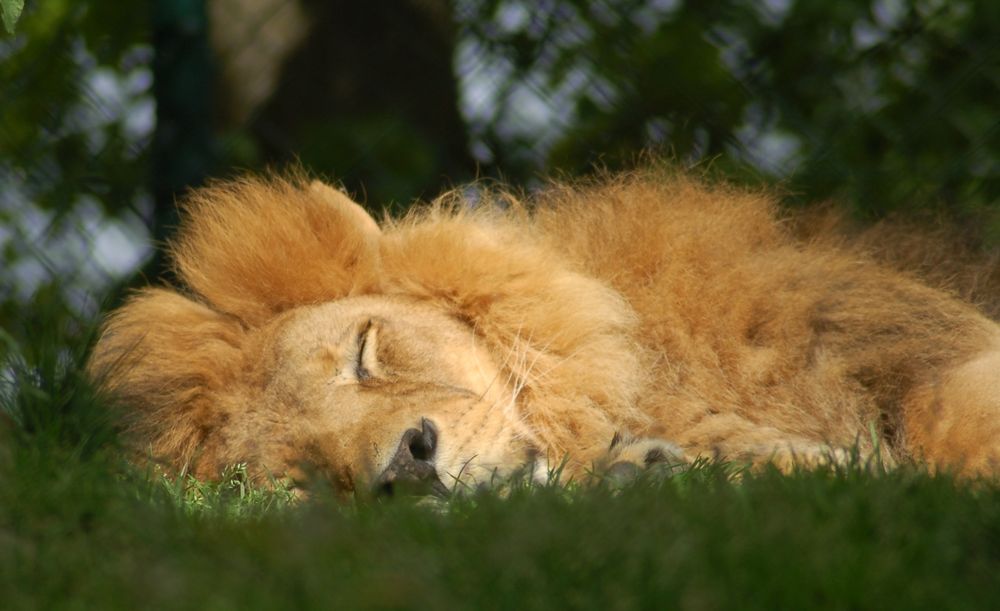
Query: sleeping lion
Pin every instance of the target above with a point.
(650, 318)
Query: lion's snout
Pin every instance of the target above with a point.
(411, 470)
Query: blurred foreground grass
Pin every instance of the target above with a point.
(81, 528)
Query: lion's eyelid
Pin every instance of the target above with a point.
(367, 354)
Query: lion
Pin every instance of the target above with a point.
(642, 319)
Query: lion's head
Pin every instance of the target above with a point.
(436, 351)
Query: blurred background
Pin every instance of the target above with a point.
(109, 110)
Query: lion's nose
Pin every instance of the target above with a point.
(411, 470)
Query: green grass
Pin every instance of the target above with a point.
(81, 528)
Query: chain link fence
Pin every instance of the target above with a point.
(889, 105)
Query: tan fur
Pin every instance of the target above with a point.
(653, 305)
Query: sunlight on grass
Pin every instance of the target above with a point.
(233, 495)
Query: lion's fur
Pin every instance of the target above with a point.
(655, 304)
(754, 327)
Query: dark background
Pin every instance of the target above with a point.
(109, 110)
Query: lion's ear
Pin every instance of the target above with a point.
(255, 247)
(338, 199)
(173, 365)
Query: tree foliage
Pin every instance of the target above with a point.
(888, 104)
(60, 132)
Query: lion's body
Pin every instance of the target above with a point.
(756, 340)
(657, 307)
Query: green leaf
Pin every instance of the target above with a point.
(10, 10)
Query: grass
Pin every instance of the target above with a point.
(82, 529)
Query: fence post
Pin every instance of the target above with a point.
(182, 150)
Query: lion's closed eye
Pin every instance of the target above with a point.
(366, 359)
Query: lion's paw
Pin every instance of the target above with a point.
(629, 457)
(789, 458)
